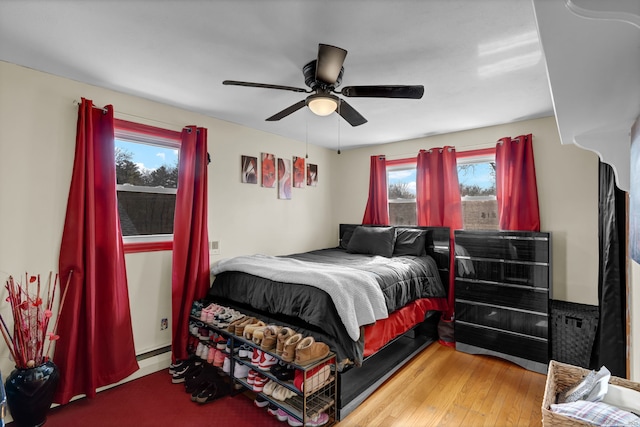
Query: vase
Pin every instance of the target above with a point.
(30, 393)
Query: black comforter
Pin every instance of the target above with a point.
(401, 279)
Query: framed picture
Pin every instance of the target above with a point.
(312, 175)
(298, 172)
(284, 179)
(249, 168)
(268, 170)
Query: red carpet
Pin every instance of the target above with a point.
(155, 401)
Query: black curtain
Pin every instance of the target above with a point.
(610, 345)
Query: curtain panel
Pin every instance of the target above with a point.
(190, 270)
(438, 200)
(377, 210)
(516, 188)
(96, 346)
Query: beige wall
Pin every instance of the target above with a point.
(37, 140)
(567, 179)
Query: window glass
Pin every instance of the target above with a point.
(401, 181)
(147, 181)
(477, 179)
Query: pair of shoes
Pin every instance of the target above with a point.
(304, 351)
(270, 337)
(251, 376)
(282, 393)
(245, 351)
(188, 368)
(211, 393)
(256, 356)
(269, 387)
(239, 327)
(321, 419)
(267, 361)
(218, 359)
(283, 371)
(272, 409)
(251, 328)
(283, 335)
(233, 322)
(258, 334)
(316, 378)
(179, 364)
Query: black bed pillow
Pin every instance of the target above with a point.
(372, 241)
(410, 242)
(344, 240)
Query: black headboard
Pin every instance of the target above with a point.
(438, 245)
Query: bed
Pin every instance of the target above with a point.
(398, 284)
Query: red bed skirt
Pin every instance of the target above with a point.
(399, 322)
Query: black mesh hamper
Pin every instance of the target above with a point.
(573, 331)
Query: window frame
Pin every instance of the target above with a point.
(150, 135)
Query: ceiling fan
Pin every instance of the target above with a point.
(323, 75)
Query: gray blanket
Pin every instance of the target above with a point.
(360, 303)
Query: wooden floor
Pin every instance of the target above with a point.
(444, 387)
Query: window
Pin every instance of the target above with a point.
(147, 181)
(477, 179)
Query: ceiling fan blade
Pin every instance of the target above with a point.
(284, 113)
(350, 114)
(263, 85)
(407, 92)
(329, 64)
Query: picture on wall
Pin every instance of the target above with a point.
(249, 170)
(312, 175)
(268, 170)
(298, 172)
(284, 179)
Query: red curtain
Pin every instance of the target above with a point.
(438, 200)
(377, 210)
(96, 345)
(516, 188)
(190, 277)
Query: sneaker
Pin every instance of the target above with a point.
(260, 401)
(241, 371)
(188, 369)
(257, 355)
(226, 365)
(319, 420)
(205, 352)
(177, 366)
(218, 358)
(259, 383)
(199, 350)
(245, 351)
(267, 361)
(269, 387)
(211, 393)
(272, 409)
(281, 415)
(211, 356)
(251, 376)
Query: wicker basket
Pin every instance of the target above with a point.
(562, 377)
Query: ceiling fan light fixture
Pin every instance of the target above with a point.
(322, 105)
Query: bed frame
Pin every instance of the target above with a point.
(355, 384)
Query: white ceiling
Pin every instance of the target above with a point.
(480, 62)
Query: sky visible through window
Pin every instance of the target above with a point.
(480, 175)
(149, 157)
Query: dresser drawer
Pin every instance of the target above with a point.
(525, 274)
(529, 348)
(521, 322)
(527, 247)
(536, 300)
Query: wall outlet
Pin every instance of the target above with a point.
(164, 323)
(214, 247)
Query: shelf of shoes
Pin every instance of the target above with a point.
(314, 406)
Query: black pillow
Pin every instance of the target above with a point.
(344, 241)
(410, 242)
(372, 241)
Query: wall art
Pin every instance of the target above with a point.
(312, 175)
(249, 170)
(284, 179)
(268, 170)
(298, 172)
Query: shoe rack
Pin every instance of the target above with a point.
(304, 407)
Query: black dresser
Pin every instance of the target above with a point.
(502, 293)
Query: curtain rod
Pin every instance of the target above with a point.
(76, 102)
